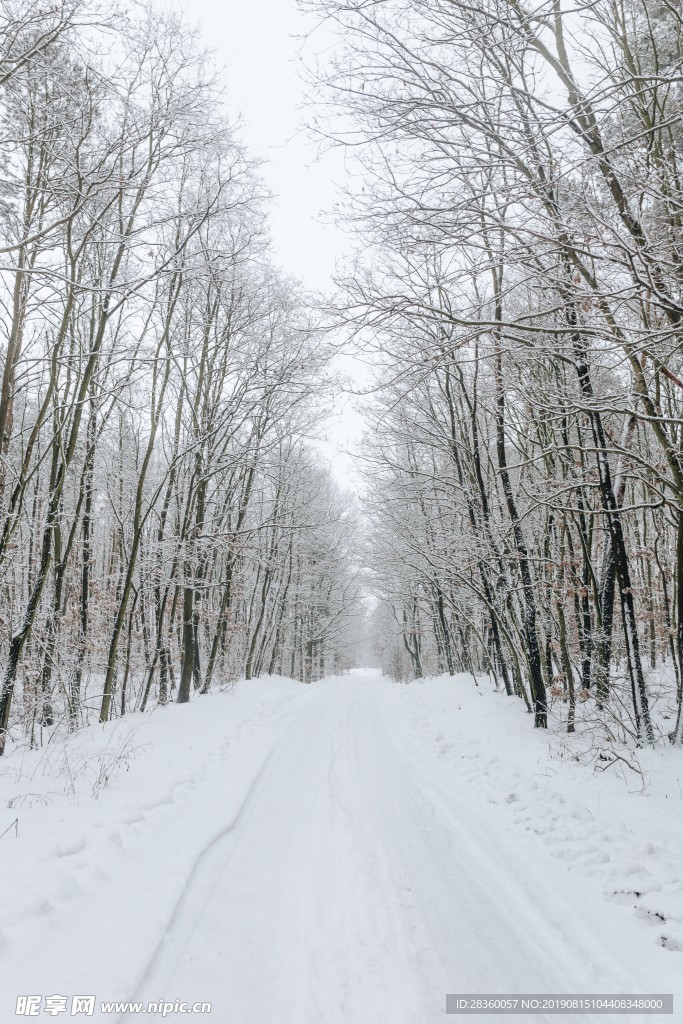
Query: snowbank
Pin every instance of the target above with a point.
(618, 827)
(102, 830)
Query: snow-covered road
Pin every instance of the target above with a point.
(359, 882)
(349, 851)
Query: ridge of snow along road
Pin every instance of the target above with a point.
(395, 830)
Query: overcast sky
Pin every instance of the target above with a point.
(260, 43)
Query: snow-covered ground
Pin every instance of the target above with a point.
(347, 851)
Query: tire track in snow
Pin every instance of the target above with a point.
(206, 871)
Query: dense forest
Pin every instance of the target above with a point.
(519, 296)
(166, 521)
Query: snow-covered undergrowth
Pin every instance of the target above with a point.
(620, 826)
(100, 832)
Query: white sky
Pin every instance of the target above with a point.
(259, 44)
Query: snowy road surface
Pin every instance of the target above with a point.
(349, 852)
(358, 885)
